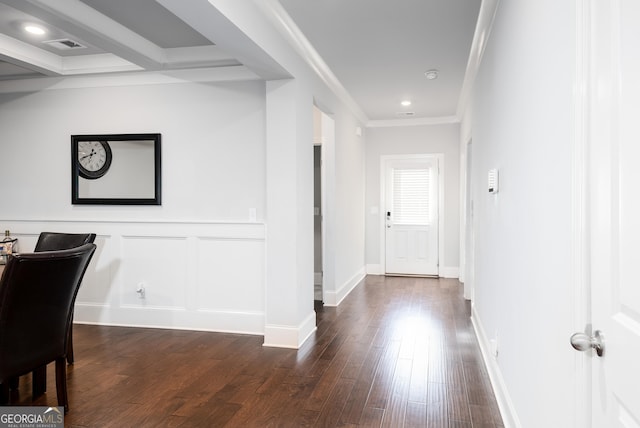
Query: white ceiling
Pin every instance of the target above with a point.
(377, 49)
(380, 49)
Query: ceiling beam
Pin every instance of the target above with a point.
(237, 73)
(205, 18)
(96, 29)
(127, 51)
(27, 56)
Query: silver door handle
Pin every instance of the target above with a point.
(584, 342)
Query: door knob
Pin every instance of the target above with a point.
(584, 342)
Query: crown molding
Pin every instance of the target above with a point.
(480, 37)
(421, 121)
(283, 23)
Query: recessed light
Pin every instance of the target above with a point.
(431, 74)
(34, 29)
(406, 103)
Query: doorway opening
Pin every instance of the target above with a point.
(317, 223)
(322, 137)
(469, 229)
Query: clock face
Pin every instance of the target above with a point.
(94, 159)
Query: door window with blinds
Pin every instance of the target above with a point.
(411, 187)
(411, 196)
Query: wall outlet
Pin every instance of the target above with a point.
(141, 290)
(252, 214)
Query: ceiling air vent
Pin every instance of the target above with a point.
(64, 44)
(405, 113)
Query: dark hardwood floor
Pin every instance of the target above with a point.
(398, 352)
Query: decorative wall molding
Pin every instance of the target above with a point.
(334, 298)
(421, 121)
(280, 336)
(445, 271)
(507, 409)
(274, 11)
(195, 274)
(132, 227)
(374, 269)
(221, 322)
(449, 272)
(484, 25)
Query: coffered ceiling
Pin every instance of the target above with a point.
(99, 36)
(378, 50)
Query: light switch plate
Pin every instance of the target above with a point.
(492, 181)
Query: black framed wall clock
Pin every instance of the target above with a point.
(93, 158)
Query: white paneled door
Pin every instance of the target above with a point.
(614, 209)
(411, 216)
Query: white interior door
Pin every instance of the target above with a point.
(615, 211)
(411, 216)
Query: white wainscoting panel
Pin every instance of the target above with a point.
(196, 275)
(159, 265)
(96, 286)
(333, 298)
(279, 336)
(229, 275)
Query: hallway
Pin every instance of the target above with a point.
(397, 352)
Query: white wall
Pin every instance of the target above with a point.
(522, 125)
(348, 214)
(290, 318)
(199, 255)
(344, 218)
(422, 139)
(212, 146)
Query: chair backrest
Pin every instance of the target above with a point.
(49, 241)
(37, 294)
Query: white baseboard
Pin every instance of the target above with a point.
(282, 336)
(167, 318)
(449, 272)
(374, 269)
(507, 410)
(333, 298)
(445, 271)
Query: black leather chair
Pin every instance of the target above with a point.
(37, 294)
(49, 241)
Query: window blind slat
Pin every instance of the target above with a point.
(411, 199)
